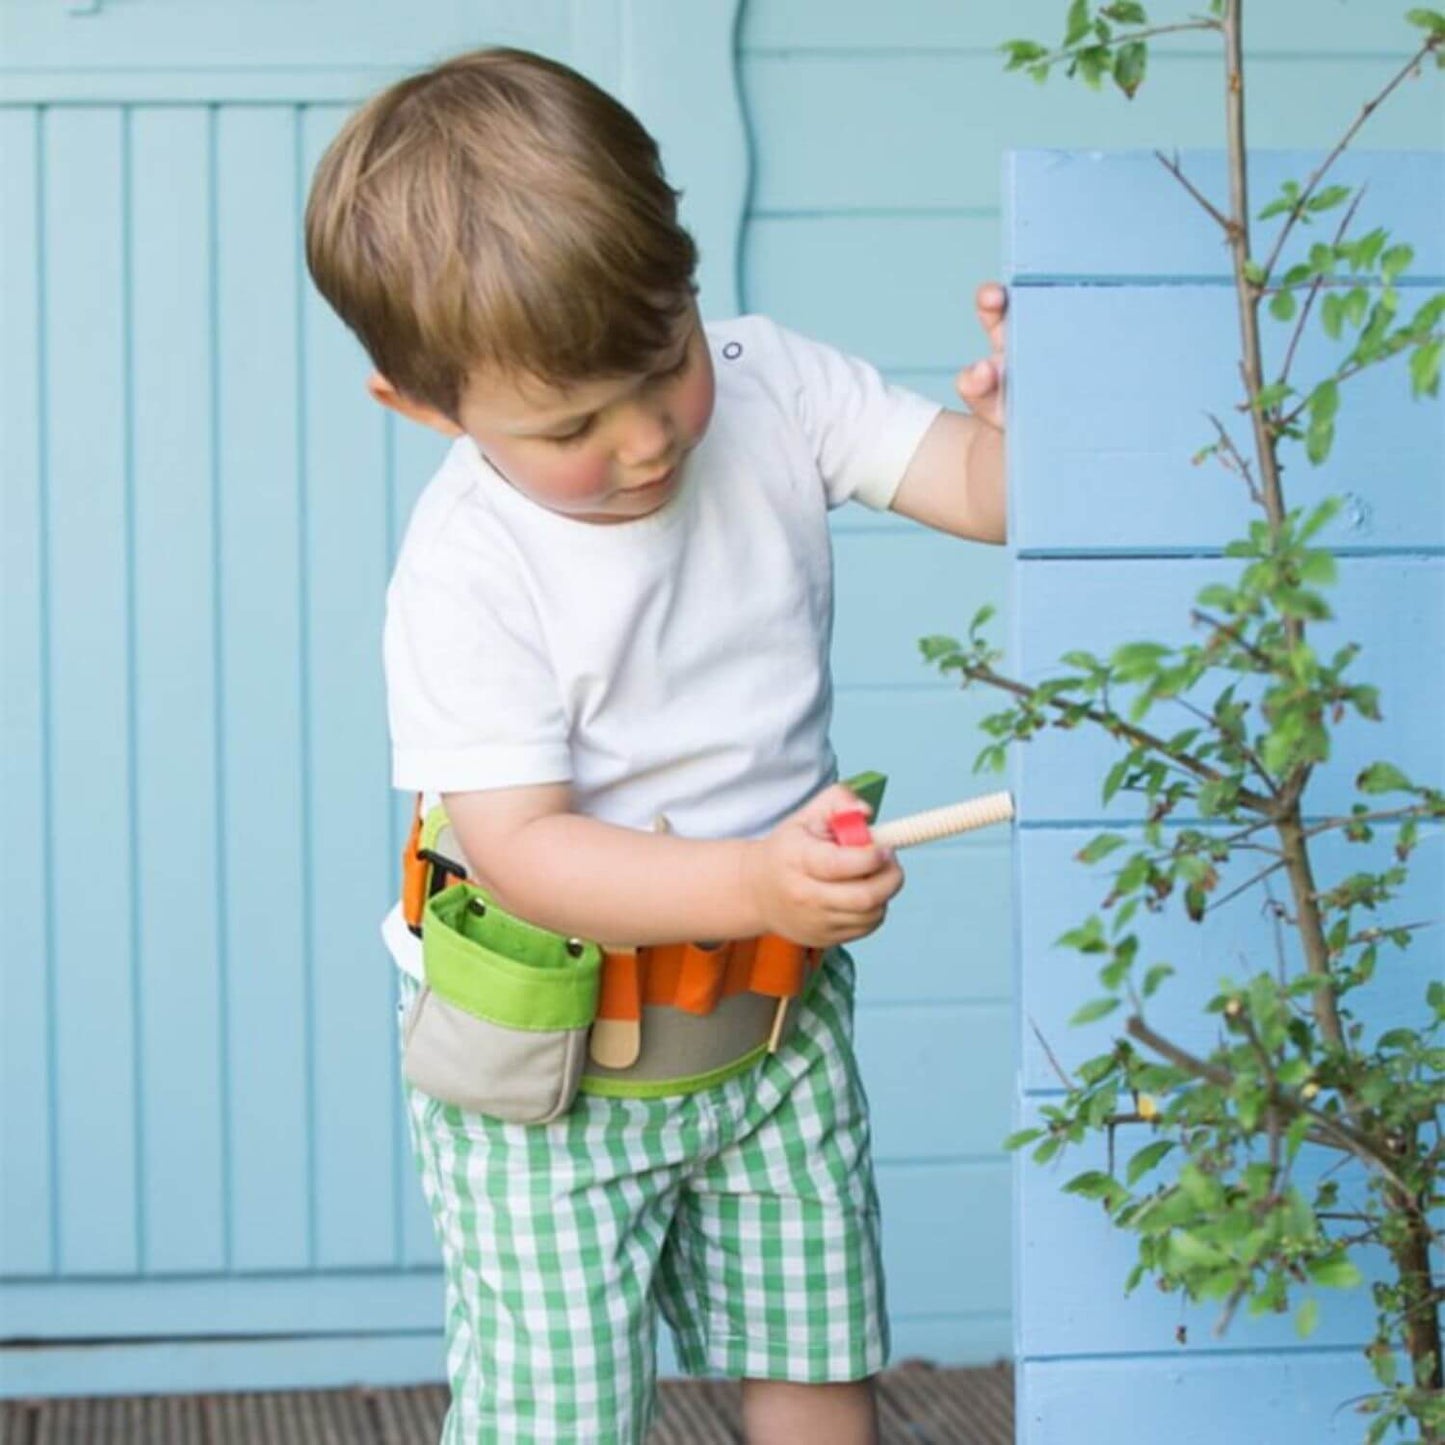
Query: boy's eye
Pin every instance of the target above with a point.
(575, 435)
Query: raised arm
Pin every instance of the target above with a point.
(579, 876)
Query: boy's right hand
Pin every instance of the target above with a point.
(810, 889)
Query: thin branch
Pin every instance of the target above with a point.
(1117, 726)
(1418, 810)
(1297, 210)
(1245, 887)
(1332, 1130)
(1058, 1068)
(1177, 171)
(1068, 51)
(1242, 464)
(1352, 369)
(1309, 300)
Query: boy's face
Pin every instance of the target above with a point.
(605, 451)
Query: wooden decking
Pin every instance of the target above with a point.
(920, 1405)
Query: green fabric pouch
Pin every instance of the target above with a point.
(501, 1025)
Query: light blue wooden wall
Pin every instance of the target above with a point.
(1122, 342)
(879, 133)
(208, 1153)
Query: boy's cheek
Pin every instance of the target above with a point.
(694, 409)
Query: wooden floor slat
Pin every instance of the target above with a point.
(918, 1405)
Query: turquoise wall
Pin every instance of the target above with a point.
(199, 512)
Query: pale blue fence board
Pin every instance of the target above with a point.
(920, 131)
(1110, 348)
(1393, 606)
(268, 1005)
(1237, 939)
(89, 662)
(27, 1203)
(945, 1234)
(948, 936)
(936, 1087)
(1073, 1264)
(350, 864)
(183, 1168)
(1102, 377)
(1332, 26)
(897, 289)
(1064, 227)
(1266, 1397)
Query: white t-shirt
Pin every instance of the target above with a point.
(676, 664)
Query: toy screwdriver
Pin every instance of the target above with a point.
(850, 829)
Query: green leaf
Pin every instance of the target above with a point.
(1099, 847)
(1077, 25)
(1431, 20)
(1425, 368)
(1022, 1137)
(1147, 1158)
(1382, 778)
(1394, 261)
(1282, 305)
(1334, 1271)
(1332, 314)
(1307, 1317)
(1155, 977)
(1125, 12)
(934, 648)
(1328, 198)
(1129, 66)
(1097, 1009)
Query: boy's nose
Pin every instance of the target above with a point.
(646, 439)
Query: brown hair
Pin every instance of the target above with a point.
(499, 210)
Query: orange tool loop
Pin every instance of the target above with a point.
(690, 977)
(415, 871)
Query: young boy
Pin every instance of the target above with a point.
(613, 606)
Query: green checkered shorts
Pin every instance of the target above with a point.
(747, 1212)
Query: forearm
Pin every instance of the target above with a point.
(986, 479)
(578, 876)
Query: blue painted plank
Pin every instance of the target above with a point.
(226, 1305)
(938, 1078)
(1393, 606)
(183, 1177)
(892, 589)
(26, 1150)
(1286, 1400)
(1072, 1265)
(266, 883)
(677, 68)
(928, 130)
(183, 1367)
(1108, 473)
(90, 639)
(1238, 941)
(1331, 25)
(1063, 218)
(925, 740)
(350, 866)
(267, 35)
(896, 290)
(948, 935)
(945, 1233)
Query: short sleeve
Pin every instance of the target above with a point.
(472, 699)
(863, 431)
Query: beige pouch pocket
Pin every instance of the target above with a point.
(501, 1026)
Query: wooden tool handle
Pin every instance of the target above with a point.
(945, 822)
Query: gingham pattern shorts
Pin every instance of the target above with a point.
(747, 1212)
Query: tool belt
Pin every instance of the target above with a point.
(515, 1020)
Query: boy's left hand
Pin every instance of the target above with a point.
(981, 383)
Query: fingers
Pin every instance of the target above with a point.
(991, 301)
(816, 812)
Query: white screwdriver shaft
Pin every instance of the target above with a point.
(945, 822)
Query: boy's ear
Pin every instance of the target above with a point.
(383, 391)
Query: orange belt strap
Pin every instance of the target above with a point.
(685, 975)
(691, 977)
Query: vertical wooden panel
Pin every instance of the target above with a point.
(182, 1057)
(90, 659)
(267, 994)
(351, 868)
(26, 1148)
